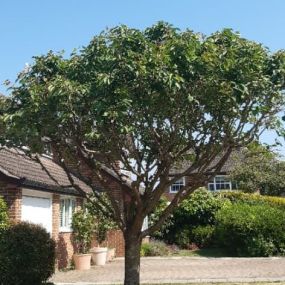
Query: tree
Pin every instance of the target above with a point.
(259, 169)
(149, 100)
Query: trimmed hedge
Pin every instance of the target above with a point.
(251, 230)
(27, 255)
(252, 199)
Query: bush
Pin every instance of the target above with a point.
(253, 199)
(154, 248)
(27, 255)
(4, 221)
(198, 210)
(83, 227)
(183, 238)
(203, 236)
(251, 230)
(154, 217)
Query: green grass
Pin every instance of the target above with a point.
(204, 252)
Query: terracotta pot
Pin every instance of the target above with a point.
(82, 261)
(99, 255)
(111, 254)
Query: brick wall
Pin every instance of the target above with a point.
(12, 195)
(115, 239)
(65, 246)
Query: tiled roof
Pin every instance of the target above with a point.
(44, 174)
(227, 167)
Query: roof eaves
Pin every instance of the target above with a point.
(9, 174)
(52, 188)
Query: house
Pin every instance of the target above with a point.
(220, 182)
(39, 191)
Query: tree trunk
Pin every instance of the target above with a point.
(132, 259)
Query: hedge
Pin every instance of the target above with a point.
(237, 196)
(251, 230)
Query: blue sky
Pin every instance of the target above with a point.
(33, 27)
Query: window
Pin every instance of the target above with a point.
(67, 208)
(176, 186)
(145, 224)
(220, 182)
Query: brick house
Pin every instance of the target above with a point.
(220, 182)
(39, 191)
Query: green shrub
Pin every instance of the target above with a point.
(102, 223)
(198, 210)
(27, 255)
(251, 230)
(83, 227)
(4, 221)
(253, 199)
(183, 238)
(154, 216)
(203, 236)
(154, 248)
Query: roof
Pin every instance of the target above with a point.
(42, 173)
(227, 167)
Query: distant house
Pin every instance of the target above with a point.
(39, 191)
(220, 182)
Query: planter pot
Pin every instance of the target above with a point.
(99, 255)
(111, 254)
(82, 261)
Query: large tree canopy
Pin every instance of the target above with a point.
(149, 100)
(259, 170)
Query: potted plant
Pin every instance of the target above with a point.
(103, 223)
(99, 253)
(83, 226)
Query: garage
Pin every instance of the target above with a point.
(37, 210)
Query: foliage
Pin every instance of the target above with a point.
(4, 221)
(144, 99)
(203, 236)
(251, 230)
(198, 210)
(102, 221)
(181, 238)
(253, 199)
(155, 248)
(259, 169)
(27, 255)
(83, 228)
(154, 217)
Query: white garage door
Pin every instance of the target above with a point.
(38, 211)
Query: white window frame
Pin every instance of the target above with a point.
(66, 228)
(214, 183)
(173, 191)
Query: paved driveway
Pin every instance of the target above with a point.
(182, 270)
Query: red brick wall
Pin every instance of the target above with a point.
(115, 239)
(65, 246)
(12, 195)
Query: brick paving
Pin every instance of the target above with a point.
(182, 270)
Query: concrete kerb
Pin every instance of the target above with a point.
(198, 280)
